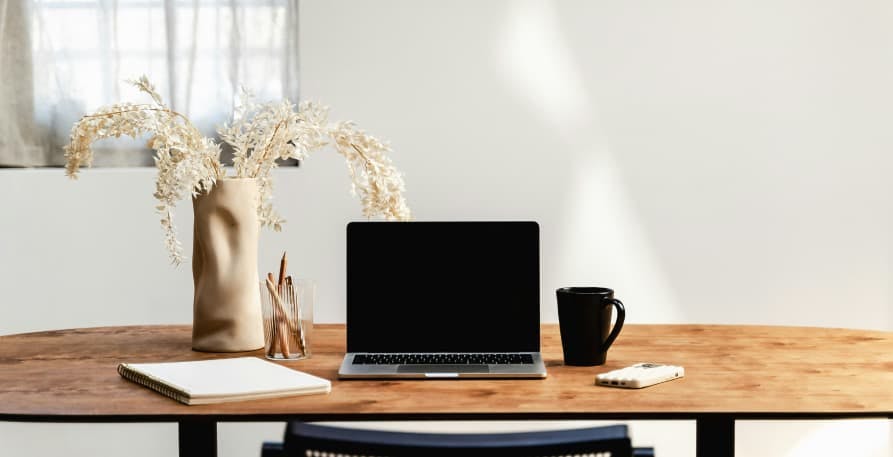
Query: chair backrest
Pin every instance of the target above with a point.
(311, 440)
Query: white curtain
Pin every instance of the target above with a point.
(63, 58)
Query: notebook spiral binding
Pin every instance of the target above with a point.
(152, 383)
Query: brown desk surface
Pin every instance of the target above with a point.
(731, 371)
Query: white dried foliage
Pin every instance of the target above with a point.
(188, 163)
(378, 183)
(260, 133)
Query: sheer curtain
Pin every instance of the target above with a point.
(63, 58)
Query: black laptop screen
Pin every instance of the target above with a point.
(443, 287)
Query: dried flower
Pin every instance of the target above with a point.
(262, 133)
(189, 163)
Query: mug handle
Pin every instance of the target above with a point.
(621, 314)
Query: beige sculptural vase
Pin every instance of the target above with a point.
(226, 309)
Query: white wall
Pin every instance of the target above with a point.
(713, 162)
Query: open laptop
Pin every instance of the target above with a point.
(443, 300)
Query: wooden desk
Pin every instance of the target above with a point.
(732, 373)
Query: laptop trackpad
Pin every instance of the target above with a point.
(443, 369)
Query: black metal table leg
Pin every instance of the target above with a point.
(198, 438)
(715, 437)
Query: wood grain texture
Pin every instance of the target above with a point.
(731, 371)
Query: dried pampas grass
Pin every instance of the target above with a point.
(260, 133)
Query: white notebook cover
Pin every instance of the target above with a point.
(223, 380)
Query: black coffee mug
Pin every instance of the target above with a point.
(584, 315)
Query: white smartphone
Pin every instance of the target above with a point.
(640, 375)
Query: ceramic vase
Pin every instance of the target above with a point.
(226, 308)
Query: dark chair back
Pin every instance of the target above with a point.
(309, 440)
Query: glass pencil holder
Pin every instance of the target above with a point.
(288, 319)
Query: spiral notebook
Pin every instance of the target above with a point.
(223, 380)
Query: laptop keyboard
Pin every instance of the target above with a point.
(442, 359)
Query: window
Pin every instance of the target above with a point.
(69, 57)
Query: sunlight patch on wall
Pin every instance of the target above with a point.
(540, 68)
(606, 245)
(598, 239)
(853, 437)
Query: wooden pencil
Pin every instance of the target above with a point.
(280, 318)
